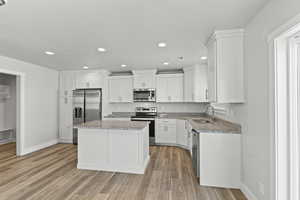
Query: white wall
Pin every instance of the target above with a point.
(254, 114)
(41, 101)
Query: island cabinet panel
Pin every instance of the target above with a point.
(93, 152)
(122, 144)
(114, 150)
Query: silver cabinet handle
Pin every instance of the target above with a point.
(206, 94)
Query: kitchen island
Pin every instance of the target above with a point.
(115, 146)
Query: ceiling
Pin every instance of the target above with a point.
(128, 29)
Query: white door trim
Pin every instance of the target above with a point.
(20, 78)
(278, 84)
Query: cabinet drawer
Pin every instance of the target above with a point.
(169, 122)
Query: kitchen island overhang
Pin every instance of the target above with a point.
(114, 146)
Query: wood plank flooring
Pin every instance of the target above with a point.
(51, 174)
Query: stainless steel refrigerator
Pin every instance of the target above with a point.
(87, 106)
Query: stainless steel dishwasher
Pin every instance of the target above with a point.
(196, 153)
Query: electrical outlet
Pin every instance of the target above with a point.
(261, 188)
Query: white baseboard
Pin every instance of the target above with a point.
(6, 141)
(65, 141)
(38, 147)
(248, 193)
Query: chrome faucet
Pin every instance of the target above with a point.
(210, 110)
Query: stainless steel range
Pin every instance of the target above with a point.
(149, 115)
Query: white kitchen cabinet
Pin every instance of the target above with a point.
(66, 83)
(65, 119)
(169, 88)
(226, 66)
(195, 84)
(144, 79)
(181, 133)
(89, 79)
(165, 131)
(220, 160)
(121, 89)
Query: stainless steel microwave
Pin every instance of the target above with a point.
(144, 95)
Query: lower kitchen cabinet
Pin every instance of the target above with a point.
(181, 133)
(165, 131)
(220, 158)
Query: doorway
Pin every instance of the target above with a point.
(285, 110)
(8, 113)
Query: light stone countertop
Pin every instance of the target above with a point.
(201, 122)
(112, 124)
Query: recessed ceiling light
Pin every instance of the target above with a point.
(162, 44)
(123, 65)
(50, 53)
(85, 67)
(203, 58)
(166, 63)
(101, 49)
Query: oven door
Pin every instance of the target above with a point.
(151, 128)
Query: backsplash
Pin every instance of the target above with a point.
(161, 107)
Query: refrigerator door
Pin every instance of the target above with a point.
(78, 107)
(93, 105)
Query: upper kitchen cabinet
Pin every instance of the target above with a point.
(195, 84)
(66, 83)
(169, 88)
(226, 66)
(89, 79)
(144, 79)
(120, 89)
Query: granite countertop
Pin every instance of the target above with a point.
(201, 122)
(118, 125)
(216, 125)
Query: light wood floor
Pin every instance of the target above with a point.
(51, 174)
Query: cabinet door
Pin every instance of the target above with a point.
(175, 88)
(181, 133)
(66, 83)
(162, 89)
(165, 132)
(126, 89)
(122, 144)
(188, 86)
(114, 91)
(144, 81)
(95, 80)
(89, 80)
(212, 67)
(200, 84)
(65, 119)
(120, 89)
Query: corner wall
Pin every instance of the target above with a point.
(254, 114)
(41, 102)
